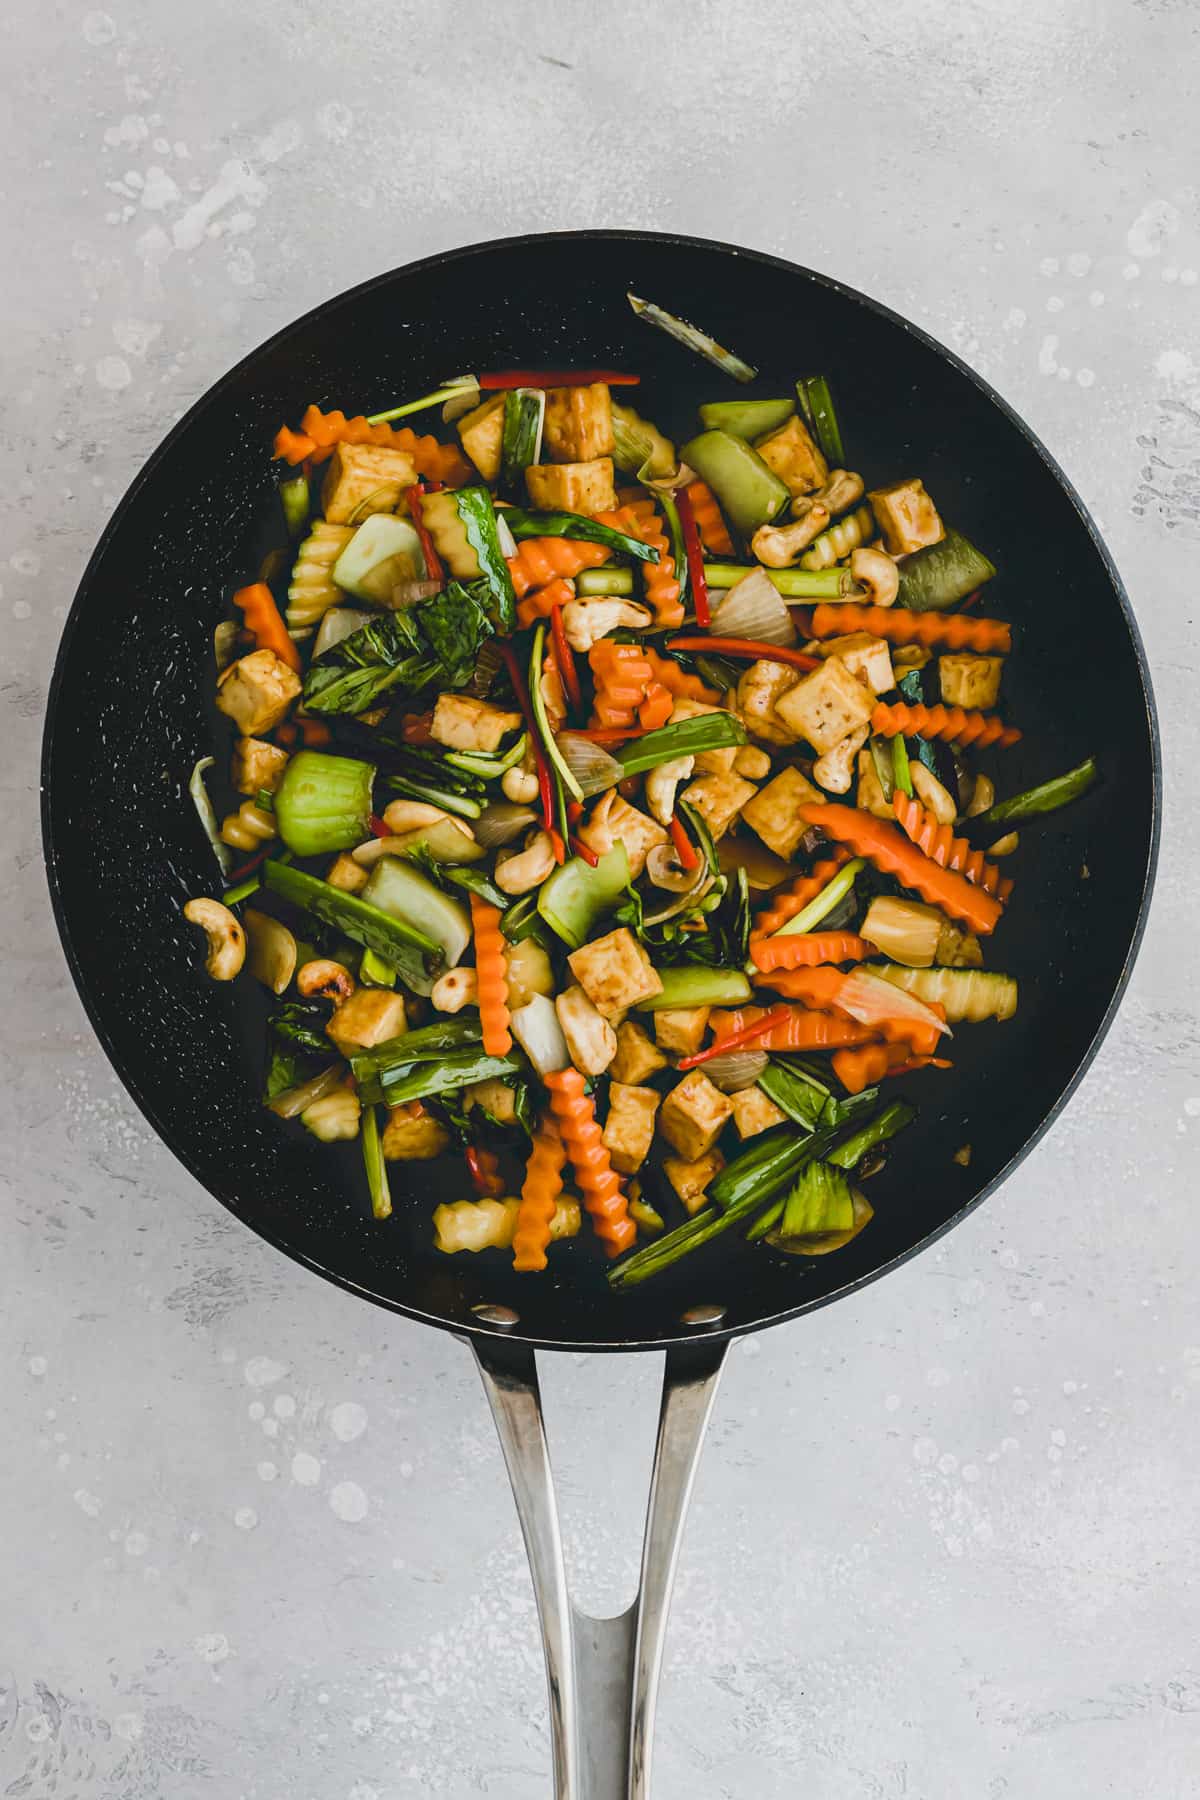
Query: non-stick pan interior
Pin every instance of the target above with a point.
(131, 711)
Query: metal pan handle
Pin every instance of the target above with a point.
(602, 1674)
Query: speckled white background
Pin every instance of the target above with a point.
(255, 1540)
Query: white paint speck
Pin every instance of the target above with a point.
(1055, 303)
(270, 1428)
(1016, 317)
(1096, 297)
(1191, 1107)
(335, 121)
(38, 1364)
(1174, 365)
(114, 373)
(1078, 263)
(25, 562)
(37, 1729)
(128, 1727)
(136, 1543)
(937, 1378)
(264, 1371)
(283, 1406)
(236, 181)
(87, 1503)
(1020, 1407)
(1188, 277)
(1131, 271)
(267, 1471)
(892, 1403)
(348, 1501)
(1155, 224)
(256, 1411)
(1085, 377)
(212, 1647)
(1049, 265)
(306, 1469)
(1047, 361)
(348, 1420)
(1170, 273)
(98, 29)
(245, 1518)
(925, 1452)
(135, 336)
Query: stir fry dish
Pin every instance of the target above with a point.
(606, 817)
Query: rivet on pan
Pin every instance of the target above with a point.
(702, 1315)
(503, 1317)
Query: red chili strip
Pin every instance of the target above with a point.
(685, 850)
(747, 647)
(557, 845)
(378, 828)
(248, 868)
(484, 1168)
(574, 811)
(433, 562)
(778, 1015)
(564, 657)
(695, 559)
(552, 378)
(585, 850)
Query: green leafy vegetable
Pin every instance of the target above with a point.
(686, 737)
(819, 1201)
(575, 895)
(521, 440)
(426, 775)
(526, 524)
(417, 1081)
(428, 1043)
(287, 1067)
(805, 1099)
(433, 644)
(477, 513)
(942, 574)
(411, 953)
(302, 1024)
(323, 802)
(470, 880)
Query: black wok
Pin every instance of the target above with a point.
(130, 710)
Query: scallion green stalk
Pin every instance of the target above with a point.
(376, 1167)
(793, 584)
(822, 904)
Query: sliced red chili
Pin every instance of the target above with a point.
(685, 850)
(484, 1168)
(433, 562)
(552, 378)
(248, 868)
(777, 1016)
(378, 828)
(695, 559)
(557, 845)
(585, 850)
(747, 647)
(565, 659)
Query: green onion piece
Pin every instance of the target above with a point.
(695, 984)
(323, 802)
(692, 338)
(870, 1135)
(521, 438)
(477, 515)
(524, 523)
(374, 972)
(590, 584)
(823, 903)
(296, 500)
(422, 1080)
(376, 1167)
(793, 584)
(537, 700)
(816, 403)
(488, 767)
(428, 1043)
(406, 948)
(453, 390)
(686, 737)
(253, 881)
(900, 766)
(675, 540)
(820, 1201)
(801, 1096)
(1036, 801)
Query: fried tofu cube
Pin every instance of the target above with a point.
(795, 458)
(826, 706)
(636, 1056)
(613, 819)
(579, 423)
(256, 691)
(463, 723)
(494, 1097)
(412, 1134)
(971, 681)
(362, 479)
(751, 762)
(719, 799)
(694, 1114)
(691, 1179)
(869, 797)
(758, 694)
(868, 658)
(581, 487)
(754, 1111)
(629, 1128)
(906, 516)
(707, 762)
(591, 1040)
(774, 812)
(482, 432)
(680, 1029)
(614, 972)
(257, 765)
(370, 1016)
(343, 872)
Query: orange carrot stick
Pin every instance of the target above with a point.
(292, 446)
(951, 722)
(265, 624)
(802, 949)
(539, 1194)
(324, 431)
(714, 533)
(491, 974)
(944, 631)
(597, 1179)
(539, 560)
(859, 1069)
(891, 851)
(803, 1029)
(940, 843)
(814, 987)
(677, 681)
(794, 899)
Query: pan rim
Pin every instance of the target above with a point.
(441, 259)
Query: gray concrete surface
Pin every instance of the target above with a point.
(255, 1540)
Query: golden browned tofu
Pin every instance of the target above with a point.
(591, 1040)
(495, 1098)
(758, 694)
(579, 423)
(636, 1056)
(363, 479)
(629, 1127)
(795, 458)
(413, 1135)
(691, 1179)
(370, 1016)
(754, 1111)
(463, 723)
(257, 765)
(694, 1114)
(256, 691)
(680, 1029)
(868, 658)
(826, 705)
(343, 872)
(906, 516)
(719, 799)
(752, 762)
(707, 762)
(614, 820)
(614, 972)
(482, 432)
(581, 487)
(970, 681)
(774, 812)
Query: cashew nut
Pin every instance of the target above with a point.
(529, 867)
(272, 948)
(591, 1040)
(661, 783)
(325, 979)
(520, 784)
(778, 546)
(933, 794)
(840, 490)
(835, 770)
(1006, 845)
(751, 763)
(587, 621)
(454, 990)
(875, 571)
(983, 796)
(226, 939)
(407, 815)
